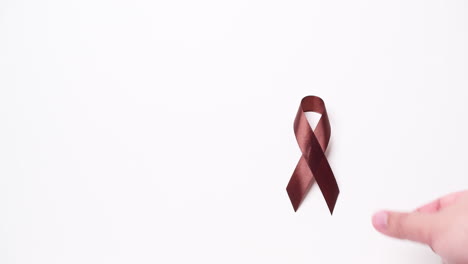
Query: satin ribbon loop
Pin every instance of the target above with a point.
(313, 165)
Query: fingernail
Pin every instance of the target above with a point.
(380, 220)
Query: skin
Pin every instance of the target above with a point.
(441, 224)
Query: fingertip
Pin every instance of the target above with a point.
(380, 221)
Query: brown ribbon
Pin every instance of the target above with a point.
(313, 165)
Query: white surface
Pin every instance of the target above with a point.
(161, 131)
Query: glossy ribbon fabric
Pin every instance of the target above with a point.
(313, 165)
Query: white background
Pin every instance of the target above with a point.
(161, 131)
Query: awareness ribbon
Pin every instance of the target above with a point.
(313, 165)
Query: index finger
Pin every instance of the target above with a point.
(441, 203)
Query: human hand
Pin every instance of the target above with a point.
(441, 224)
